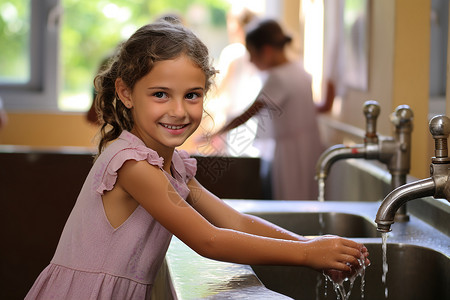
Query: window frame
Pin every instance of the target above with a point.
(40, 93)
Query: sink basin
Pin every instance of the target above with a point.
(414, 273)
(342, 224)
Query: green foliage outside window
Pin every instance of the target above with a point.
(14, 35)
(92, 29)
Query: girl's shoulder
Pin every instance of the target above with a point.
(126, 147)
(130, 147)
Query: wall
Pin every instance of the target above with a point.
(411, 75)
(290, 19)
(55, 130)
(447, 98)
(48, 130)
(398, 74)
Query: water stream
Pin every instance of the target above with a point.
(320, 198)
(338, 283)
(385, 265)
(321, 183)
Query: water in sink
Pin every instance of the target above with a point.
(310, 224)
(414, 273)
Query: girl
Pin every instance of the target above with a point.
(286, 98)
(141, 190)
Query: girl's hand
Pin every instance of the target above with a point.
(333, 252)
(340, 276)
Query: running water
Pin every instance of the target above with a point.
(338, 283)
(385, 265)
(322, 224)
(321, 198)
(321, 183)
(319, 277)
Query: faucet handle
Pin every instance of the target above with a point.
(402, 116)
(371, 111)
(440, 129)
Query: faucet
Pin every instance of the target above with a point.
(394, 152)
(437, 185)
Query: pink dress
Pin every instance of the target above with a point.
(93, 260)
(292, 118)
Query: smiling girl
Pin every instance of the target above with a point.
(141, 190)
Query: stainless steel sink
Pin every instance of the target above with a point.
(414, 273)
(318, 223)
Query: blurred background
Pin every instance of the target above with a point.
(392, 51)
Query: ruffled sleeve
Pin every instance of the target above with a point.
(138, 153)
(190, 164)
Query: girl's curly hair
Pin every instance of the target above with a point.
(134, 59)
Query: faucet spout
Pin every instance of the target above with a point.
(335, 153)
(395, 199)
(371, 110)
(437, 185)
(393, 152)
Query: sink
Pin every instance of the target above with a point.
(306, 223)
(414, 273)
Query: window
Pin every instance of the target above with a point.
(15, 26)
(85, 44)
(49, 58)
(51, 49)
(28, 64)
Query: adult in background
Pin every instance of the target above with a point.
(286, 102)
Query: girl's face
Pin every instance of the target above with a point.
(167, 103)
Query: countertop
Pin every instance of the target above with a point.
(196, 277)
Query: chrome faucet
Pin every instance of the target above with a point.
(394, 152)
(437, 185)
(371, 111)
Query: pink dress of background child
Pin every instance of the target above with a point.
(292, 113)
(93, 260)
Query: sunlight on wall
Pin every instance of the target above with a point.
(312, 14)
(75, 102)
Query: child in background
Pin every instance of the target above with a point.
(286, 101)
(238, 81)
(141, 190)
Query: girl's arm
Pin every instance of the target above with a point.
(149, 186)
(220, 214)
